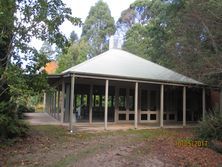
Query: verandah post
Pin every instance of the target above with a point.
(161, 104)
(136, 106)
(71, 102)
(106, 103)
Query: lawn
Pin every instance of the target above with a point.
(53, 146)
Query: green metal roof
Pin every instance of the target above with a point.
(122, 64)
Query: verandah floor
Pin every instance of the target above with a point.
(46, 119)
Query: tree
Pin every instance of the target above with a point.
(73, 37)
(47, 50)
(148, 37)
(76, 53)
(182, 35)
(198, 39)
(135, 40)
(98, 26)
(20, 22)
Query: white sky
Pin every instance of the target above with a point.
(80, 8)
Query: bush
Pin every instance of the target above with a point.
(211, 127)
(10, 126)
(24, 109)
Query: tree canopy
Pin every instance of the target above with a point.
(76, 53)
(181, 34)
(98, 27)
(20, 21)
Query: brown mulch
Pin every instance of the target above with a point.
(166, 149)
(39, 149)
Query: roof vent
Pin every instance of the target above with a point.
(115, 42)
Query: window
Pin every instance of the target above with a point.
(122, 99)
(144, 117)
(144, 100)
(103, 100)
(122, 117)
(152, 116)
(131, 117)
(96, 100)
(171, 117)
(131, 100)
(111, 102)
(153, 100)
(164, 117)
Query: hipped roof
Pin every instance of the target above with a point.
(117, 63)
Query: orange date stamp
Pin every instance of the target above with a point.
(191, 143)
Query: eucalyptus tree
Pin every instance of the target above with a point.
(184, 35)
(76, 53)
(98, 27)
(20, 22)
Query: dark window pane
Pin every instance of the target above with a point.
(171, 117)
(97, 100)
(152, 116)
(122, 99)
(131, 100)
(144, 99)
(122, 92)
(153, 100)
(131, 117)
(164, 117)
(122, 117)
(143, 116)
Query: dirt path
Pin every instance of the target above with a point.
(40, 119)
(52, 146)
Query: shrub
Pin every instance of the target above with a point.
(24, 109)
(211, 127)
(10, 126)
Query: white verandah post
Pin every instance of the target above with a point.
(63, 101)
(71, 103)
(44, 102)
(90, 103)
(161, 104)
(58, 106)
(136, 106)
(184, 106)
(54, 104)
(106, 103)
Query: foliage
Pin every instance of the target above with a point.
(24, 109)
(73, 37)
(76, 53)
(97, 28)
(149, 34)
(47, 50)
(211, 127)
(10, 126)
(20, 22)
(179, 34)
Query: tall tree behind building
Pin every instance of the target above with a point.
(98, 26)
(181, 34)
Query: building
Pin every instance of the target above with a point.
(119, 87)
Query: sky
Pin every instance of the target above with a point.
(80, 8)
